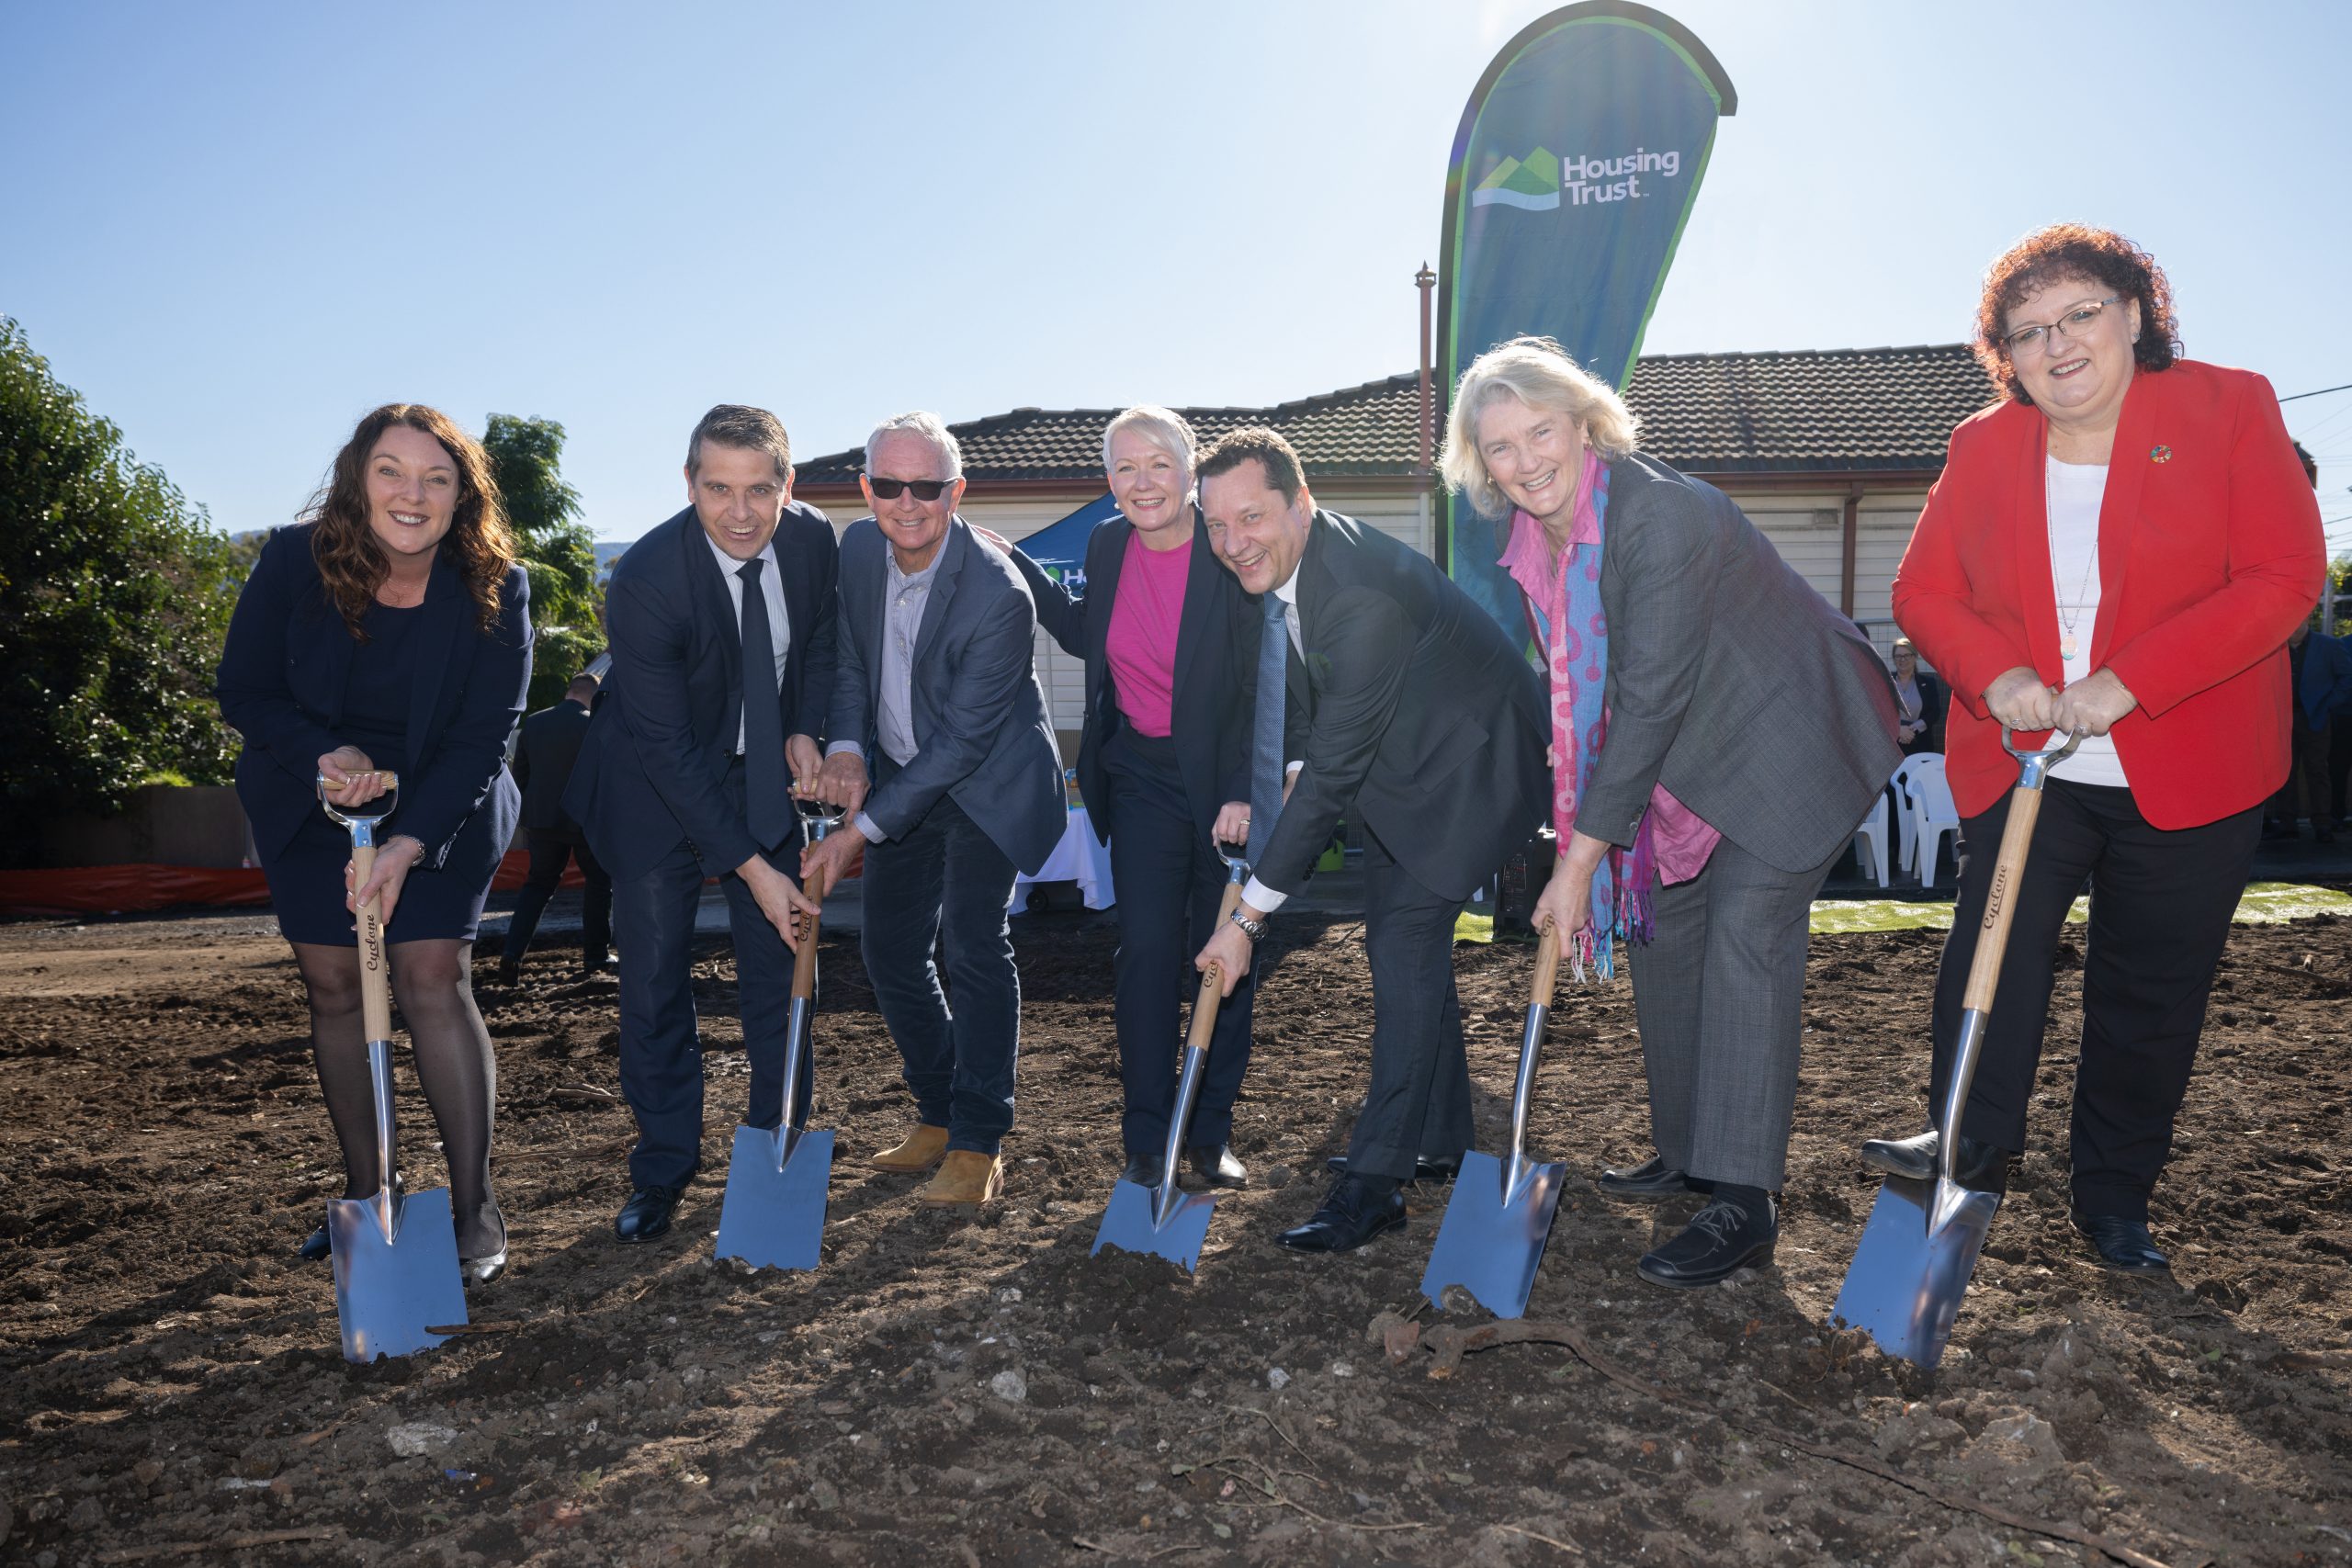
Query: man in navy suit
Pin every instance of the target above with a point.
(721, 621)
(935, 690)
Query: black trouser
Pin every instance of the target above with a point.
(2161, 903)
(1169, 883)
(2306, 792)
(549, 852)
(1418, 1103)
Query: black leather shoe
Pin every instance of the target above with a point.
(647, 1214)
(1349, 1216)
(1648, 1182)
(510, 975)
(1984, 1166)
(316, 1247)
(1424, 1168)
(2123, 1245)
(1214, 1164)
(1722, 1238)
(1142, 1169)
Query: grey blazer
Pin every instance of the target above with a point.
(981, 735)
(1731, 681)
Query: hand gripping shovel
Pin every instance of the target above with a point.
(396, 1253)
(1491, 1240)
(773, 1213)
(1171, 1222)
(1919, 1248)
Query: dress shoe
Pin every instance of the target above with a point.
(965, 1176)
(510, 975)
(315, 1247)
(923, 1148)
(1734, 1231)
(1142, 1169)
(1648, 1182)
(2123, 1245)
(1984, 1166)
(647, 1214)
(1424, 1168)
(481, 1270)
(1214, 1164)
(1350, 1215)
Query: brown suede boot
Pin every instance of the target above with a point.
(919, 1153)
(967, 1177)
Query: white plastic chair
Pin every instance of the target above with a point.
(1928, 813)
(1872, 834)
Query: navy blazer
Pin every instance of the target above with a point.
(1217, 670)
(1425, 722)
(648, 776)
(981, 735)
(281, 686)
(543, 755)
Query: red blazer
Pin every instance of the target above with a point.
(2210, 553)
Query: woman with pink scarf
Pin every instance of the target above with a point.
(1718, 731)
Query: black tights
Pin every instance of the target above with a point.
(433, 982)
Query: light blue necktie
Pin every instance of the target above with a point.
(1266, 742)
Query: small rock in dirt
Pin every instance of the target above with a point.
(1010, 1386)
(1010, 1294)
(1277, 1379)
(2029, 1429)
(1342, 1370)
(411, 1439)
(823, 1496)
(1280, 1177)
(147, 1471)
(85, 1516)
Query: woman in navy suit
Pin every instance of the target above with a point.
(1168, 639)
(389, 632)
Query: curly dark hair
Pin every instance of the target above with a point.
(478, 543)
(2074, 250)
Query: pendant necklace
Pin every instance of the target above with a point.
(2066, 643)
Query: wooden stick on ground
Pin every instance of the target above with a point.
(244, 1540)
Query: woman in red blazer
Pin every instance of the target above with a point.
(2119, 550)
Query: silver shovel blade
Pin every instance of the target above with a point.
(1128, 1224)
(388, 1292)
(1491, 1242)
(773, 1213)
(1909, 1272)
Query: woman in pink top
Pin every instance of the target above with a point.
(1170, 641)
(1718, 731)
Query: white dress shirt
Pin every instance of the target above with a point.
(772, 589)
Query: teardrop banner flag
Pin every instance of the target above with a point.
(1575, 169)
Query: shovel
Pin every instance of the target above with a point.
(1491, 1240)
(1919, 1248)
(773, 1213)
(1171, 1222)
(395, 1253)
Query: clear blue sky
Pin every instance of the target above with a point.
(236, 227)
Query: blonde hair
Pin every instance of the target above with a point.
(1164, 428)
(1535, 371)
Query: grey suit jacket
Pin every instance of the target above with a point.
(1731, 681)
(981, 735)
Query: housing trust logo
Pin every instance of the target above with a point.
(1540, 181)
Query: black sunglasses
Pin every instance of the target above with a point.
(925, 490)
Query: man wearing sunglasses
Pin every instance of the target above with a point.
(935, 691)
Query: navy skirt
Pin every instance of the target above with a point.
(306, 886)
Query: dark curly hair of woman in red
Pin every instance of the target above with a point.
(478, 543)
(2100, 256)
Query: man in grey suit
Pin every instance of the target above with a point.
(935, 690)
(1744, 714)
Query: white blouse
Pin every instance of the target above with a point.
(2072, 493)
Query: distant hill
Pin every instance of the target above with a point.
(607, 552)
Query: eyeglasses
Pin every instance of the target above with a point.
(925, 490)
(2072, 324)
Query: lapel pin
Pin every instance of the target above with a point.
(2160, 453)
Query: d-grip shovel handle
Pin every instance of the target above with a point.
(1212, 992)
(1547, 966)
(804, 957)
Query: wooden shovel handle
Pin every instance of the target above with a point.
(1547, 966)
(375, 979)
(1212, 989)
(804, 957)
(2000, 901)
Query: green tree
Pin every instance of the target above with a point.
(115, 595)
(567, 605)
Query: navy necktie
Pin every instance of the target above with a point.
(1266, 758)
(767, 807)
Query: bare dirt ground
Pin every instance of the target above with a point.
(957, 1389)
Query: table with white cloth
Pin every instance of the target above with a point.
(1078, 858)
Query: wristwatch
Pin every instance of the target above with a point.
(1254, 929)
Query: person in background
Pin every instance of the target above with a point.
(1717, 731)
(1920, 700)
(1169, 638)
(390, 633)
(543, 755)
(2119, 550)
(2321, 667)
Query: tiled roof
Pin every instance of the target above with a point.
(1861, 410)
